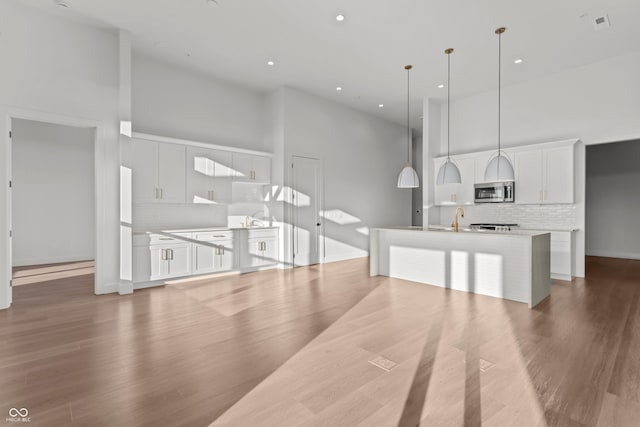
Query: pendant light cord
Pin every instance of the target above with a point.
(408, 68)
(499, 90)
(448, 106)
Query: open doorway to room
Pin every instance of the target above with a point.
(52, 205)
(612, 200)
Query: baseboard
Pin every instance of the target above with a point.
(338, 258)
(50, 260)
(125, 287)
(107, 288)
(610, 254)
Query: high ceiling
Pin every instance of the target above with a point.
(365, 54)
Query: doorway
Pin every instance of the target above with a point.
(52, 204)
(612, 201)
(306, 207)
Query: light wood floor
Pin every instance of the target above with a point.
(26, 275)
(296, 348)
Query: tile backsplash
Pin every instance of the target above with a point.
(527, 216)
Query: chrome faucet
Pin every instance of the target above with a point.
(455, 220)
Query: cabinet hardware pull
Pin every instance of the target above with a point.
(163, 254)
(166, 238)
(161, 194)
(219, 235)
(171, 253)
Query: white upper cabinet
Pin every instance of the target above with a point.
(208, 173)
(528, 186)
(558, 175)
(251, 168)
(158, 172)
(145, 171)
(545, 176)
(455, 194)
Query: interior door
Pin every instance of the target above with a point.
(307, 226)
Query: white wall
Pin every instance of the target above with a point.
(362, 156)
(595, 103)
(53, 193)
(613, 200)
(171, 101)
(69, 73)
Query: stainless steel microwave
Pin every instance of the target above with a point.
(495, 192)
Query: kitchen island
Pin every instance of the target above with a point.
(513, 265)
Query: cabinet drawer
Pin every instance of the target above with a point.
(263, 234)
(211, 236)
(161, 239)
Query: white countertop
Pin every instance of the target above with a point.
(464, 230)
(526, 228)
(151, 230)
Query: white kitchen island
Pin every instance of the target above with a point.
(512, 265)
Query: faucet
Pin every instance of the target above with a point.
(455, 221)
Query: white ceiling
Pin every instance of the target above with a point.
(367, 52)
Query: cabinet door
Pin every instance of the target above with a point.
(255, 255)
(179, 260)
(242, 167)
(270, 252)
(200, 172)
(261, 169)
(558, 175)
(528, 186)
(171, 172)
(226, 257)
(464, 192)
(204, 258)
(159, 266)
(144, 171)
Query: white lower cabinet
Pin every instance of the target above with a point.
(216, 253)
(260, 250)
(169, 255)
(170, 260)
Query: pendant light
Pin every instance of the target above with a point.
(408, 177)
(449, 172)
(499, 167)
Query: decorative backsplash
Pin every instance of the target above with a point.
(527, 216)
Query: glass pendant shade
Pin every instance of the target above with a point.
(408, 178)
(448, 174)
(499, 169)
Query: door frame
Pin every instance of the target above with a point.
(100, 136)
(291, 210)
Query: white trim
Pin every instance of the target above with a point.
(11, 113)
(51, 260)
(615, 254)
(493, 152)
(125, 288)
(149, 137)
(338, 258)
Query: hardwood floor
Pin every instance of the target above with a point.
(294, 348)
(50, 272)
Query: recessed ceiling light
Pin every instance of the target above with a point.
(62, 3)
(440, 86)
(338, 88)
(380, 105)
(340, 18)
(271, 63)
(518, 61)
(188, 55)
(211, 2)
